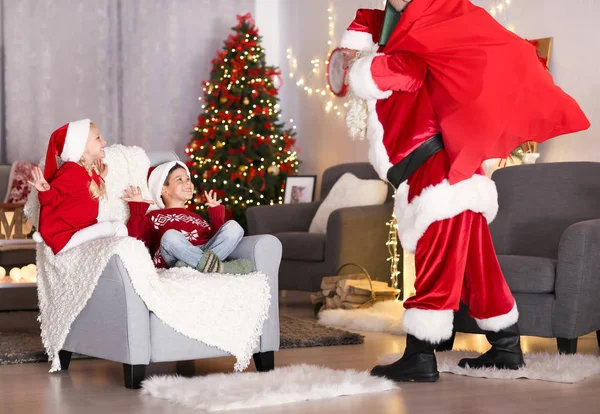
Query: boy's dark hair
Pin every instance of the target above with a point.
(171, 171)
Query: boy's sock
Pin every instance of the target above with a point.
(237, 266)
(210, 263)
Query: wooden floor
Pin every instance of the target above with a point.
(93, 386)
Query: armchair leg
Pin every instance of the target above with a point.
(264, 361)
(447, 344)
(65, 359)
(186, 368)
(134, 375)
(598, 337)
(566, 346)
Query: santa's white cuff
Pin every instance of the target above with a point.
(361, 79)
(433, 326)
(497, 323)
(353, 39)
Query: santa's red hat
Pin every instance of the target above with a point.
(67, 142)
(157, 177)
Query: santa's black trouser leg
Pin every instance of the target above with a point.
(418, 363)
(505, 353)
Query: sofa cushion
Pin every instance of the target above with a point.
(302, 246)
(528, 274)
(348, 191)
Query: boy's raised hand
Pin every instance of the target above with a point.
(211, 199)
(134, 194)
(39, 182)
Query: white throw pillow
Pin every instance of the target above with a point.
(348, 191)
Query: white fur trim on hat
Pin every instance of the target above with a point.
(75, 141)
(157, 180)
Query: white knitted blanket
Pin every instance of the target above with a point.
(211, 308)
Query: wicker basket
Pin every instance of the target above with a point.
(374, 297)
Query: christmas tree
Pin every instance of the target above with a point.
(239, 148)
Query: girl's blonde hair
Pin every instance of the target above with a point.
(96, 191)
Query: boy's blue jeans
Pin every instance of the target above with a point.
(174, 246)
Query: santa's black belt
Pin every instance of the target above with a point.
(400, 172)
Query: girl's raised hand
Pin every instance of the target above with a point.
(39, 182)
(101, 167)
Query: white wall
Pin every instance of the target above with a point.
(266, 16)
(322, 137)
(303, 26)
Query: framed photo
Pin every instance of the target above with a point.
(300, 189)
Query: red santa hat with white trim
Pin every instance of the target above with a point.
(67, 142)
(157, 177)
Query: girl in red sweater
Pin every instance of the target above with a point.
(178, 237)
(69, 195)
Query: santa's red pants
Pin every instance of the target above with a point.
(454, 255)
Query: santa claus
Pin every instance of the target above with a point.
(446, 87)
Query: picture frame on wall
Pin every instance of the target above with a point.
(300, 189)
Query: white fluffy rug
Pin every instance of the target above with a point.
(224, 392)
(383, 316)
(539, 366)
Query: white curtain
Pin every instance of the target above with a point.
(133, 66)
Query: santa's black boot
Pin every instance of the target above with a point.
(505, 352)
(417, 364)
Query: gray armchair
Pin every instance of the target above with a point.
(116, 325)
(355, 234)
(547, 237)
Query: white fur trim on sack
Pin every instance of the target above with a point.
(440, 202)
(433, 326)
(75, 141)
(157, 180)
(497, 323)
(361, 79)
(353, 39)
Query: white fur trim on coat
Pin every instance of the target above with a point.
(353, 39)
(497, 323)
(440, 202)
(75, 141)
(361, 79)
(378, 156)
(433, 326)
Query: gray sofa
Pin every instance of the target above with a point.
(116, 324)
(547, 237)
(355, 234)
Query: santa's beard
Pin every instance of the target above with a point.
(357, 117)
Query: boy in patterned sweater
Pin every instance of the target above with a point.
(176, 236)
